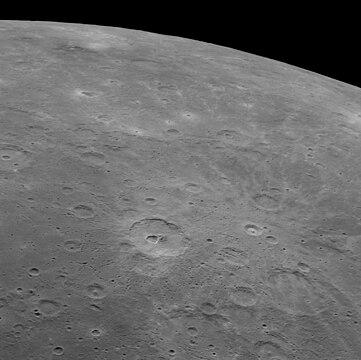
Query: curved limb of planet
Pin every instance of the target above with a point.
(167, 198)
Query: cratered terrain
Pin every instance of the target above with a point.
(164, 198)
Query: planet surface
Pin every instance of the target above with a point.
(165, 198)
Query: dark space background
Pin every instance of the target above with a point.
(322, 40)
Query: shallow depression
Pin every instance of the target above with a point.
(83, 211)
(49, 307)
(243, 295)
(93, 158)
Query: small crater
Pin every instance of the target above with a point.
(150, 201)
(227, 134)
(268, 199)
(72, 245)
(192, 331)
(67, 190)
(58, 350)
(95, 291)
(154, 239)
(13, 157)
(189, 116)
(173, 132)
(303, 267)
(125, 247)
(18, 329)
(93, 158)
(164, 101)
(208, 308)
(104, 118)
(84, 133)
(253, 230)
(49, 307)
(225, 181)
(37, 128)
(83, 211)
(269, 350)
(243, 295)
(192, 187)
(130, 183)
(271, 240)
(34, 271)
(96, 332)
